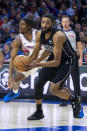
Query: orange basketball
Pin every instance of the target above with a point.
(19, 62)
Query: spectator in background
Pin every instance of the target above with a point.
(83, 41)
(70, 11)
(7, 4)
(63, 8)
(1, 22)
(2, 35)
(4, 13)
(6, 52)
(12, 34)
(6, 23)
(83, 20)
(82, 36)
(0, 9)
(78, 27)
(33, 11)
(58, 23)
(52, 8)
(85, 58)
(19, 11)
(7, 34)
(85, 53)
(16, 21)
(84, 28)
(1, 59)
(41, 8)
(58, 3)
(12, 13)
(26, 5)
(46, 11)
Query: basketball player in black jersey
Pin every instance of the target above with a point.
(74, 38)
(56, 69)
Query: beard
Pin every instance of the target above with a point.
(48, 30)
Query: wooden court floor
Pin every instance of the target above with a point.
(13, 117)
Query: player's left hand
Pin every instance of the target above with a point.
(32, 65)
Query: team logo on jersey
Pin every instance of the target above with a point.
(48, 47)
(29, 45)
(4, 79)
(50, 42)
(71, 36)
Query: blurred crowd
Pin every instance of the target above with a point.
(11, 11)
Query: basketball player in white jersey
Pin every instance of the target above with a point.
(26, 38)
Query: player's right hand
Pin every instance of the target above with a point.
(10, 82)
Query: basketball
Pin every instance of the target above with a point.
(19, 62)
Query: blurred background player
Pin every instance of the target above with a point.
(74, 38)
(25, 40)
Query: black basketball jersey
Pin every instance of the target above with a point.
(67, 50)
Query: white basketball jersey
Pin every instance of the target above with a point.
(72, 37)
(26, 43)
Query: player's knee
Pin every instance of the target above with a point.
(18, 77)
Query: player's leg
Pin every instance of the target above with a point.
(15, 90)
(16, 82)
(44, 75)
(38, 114)
(64, 102)
(57, 88)
(76, 77)
(76, 81)
(62, 92)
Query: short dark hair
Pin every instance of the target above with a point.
(50, 16)
(29, 20)
(66, 17)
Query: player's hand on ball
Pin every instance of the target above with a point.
(33, 64)
(20, 62)
(27, 67)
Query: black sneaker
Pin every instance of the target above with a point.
(36, 116)
(76, 105)
(64, 103)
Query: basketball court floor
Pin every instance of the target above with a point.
(13, 117)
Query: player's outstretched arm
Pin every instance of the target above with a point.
(80, 48)
(16, 46)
